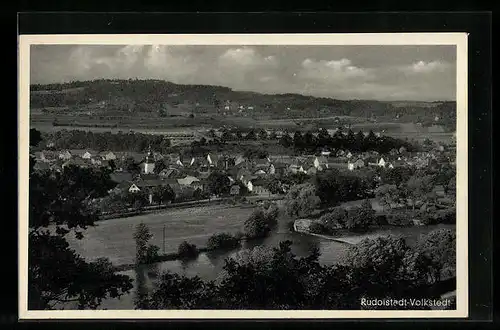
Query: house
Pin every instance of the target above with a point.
(295, 168)
(312, 170)
(188, 180)
(76, 161)
(259, 188)
(148, 176)
(243, 173)
(381, 162)
(261, 163)
(108, 155)
(234, 190)
(45, 156)
(260, 173)
(133, 188)
(325, 153)
(197, 185)
(169, 172)
(41, 166)
(417, 222)
(271, 170)
(96, 161)
(348, 154)
(199, 162)
(87, 155)
(212, 160)
(202, 175)
(359, 163)
(279, 168)
(439, 191)
(239, 159)
(65, 155)
(320, 162)
(249, 185)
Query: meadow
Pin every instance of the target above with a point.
(114, 238)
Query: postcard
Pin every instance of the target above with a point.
(253, 176)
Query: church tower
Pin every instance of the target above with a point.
(149, 163)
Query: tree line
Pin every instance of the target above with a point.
(354, 142)
(103, 141)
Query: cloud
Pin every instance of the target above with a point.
(333, 70)
(421, 67)
(164, 62)
(246, 57)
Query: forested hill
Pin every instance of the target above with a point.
(157, 96)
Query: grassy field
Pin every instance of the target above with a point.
(114, 238)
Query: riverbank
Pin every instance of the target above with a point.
(158, 208)
(351, 238)
(198, 203)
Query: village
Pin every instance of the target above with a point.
(148, 175)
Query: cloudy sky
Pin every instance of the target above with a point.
(424, 73)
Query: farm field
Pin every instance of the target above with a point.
(397, 130)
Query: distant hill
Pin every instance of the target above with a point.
(157, 98)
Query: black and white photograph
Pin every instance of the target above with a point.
(286, 176)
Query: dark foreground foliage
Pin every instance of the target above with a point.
(276, 278)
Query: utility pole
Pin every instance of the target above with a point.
(164, 239)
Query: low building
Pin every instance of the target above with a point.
(188, 180)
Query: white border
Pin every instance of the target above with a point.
(457, 39)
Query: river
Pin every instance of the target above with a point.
(208, 265)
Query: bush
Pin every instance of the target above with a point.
(222, 241)
(239, 235)
(440, 216)
(381, 220)
(399, 219)
(187, 251)
(335, 219)
(151, 254)
(261, 222)
(318, 228)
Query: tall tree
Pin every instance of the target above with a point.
(286, 141)
(301, 200)
(298, 140)
(218, 183)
